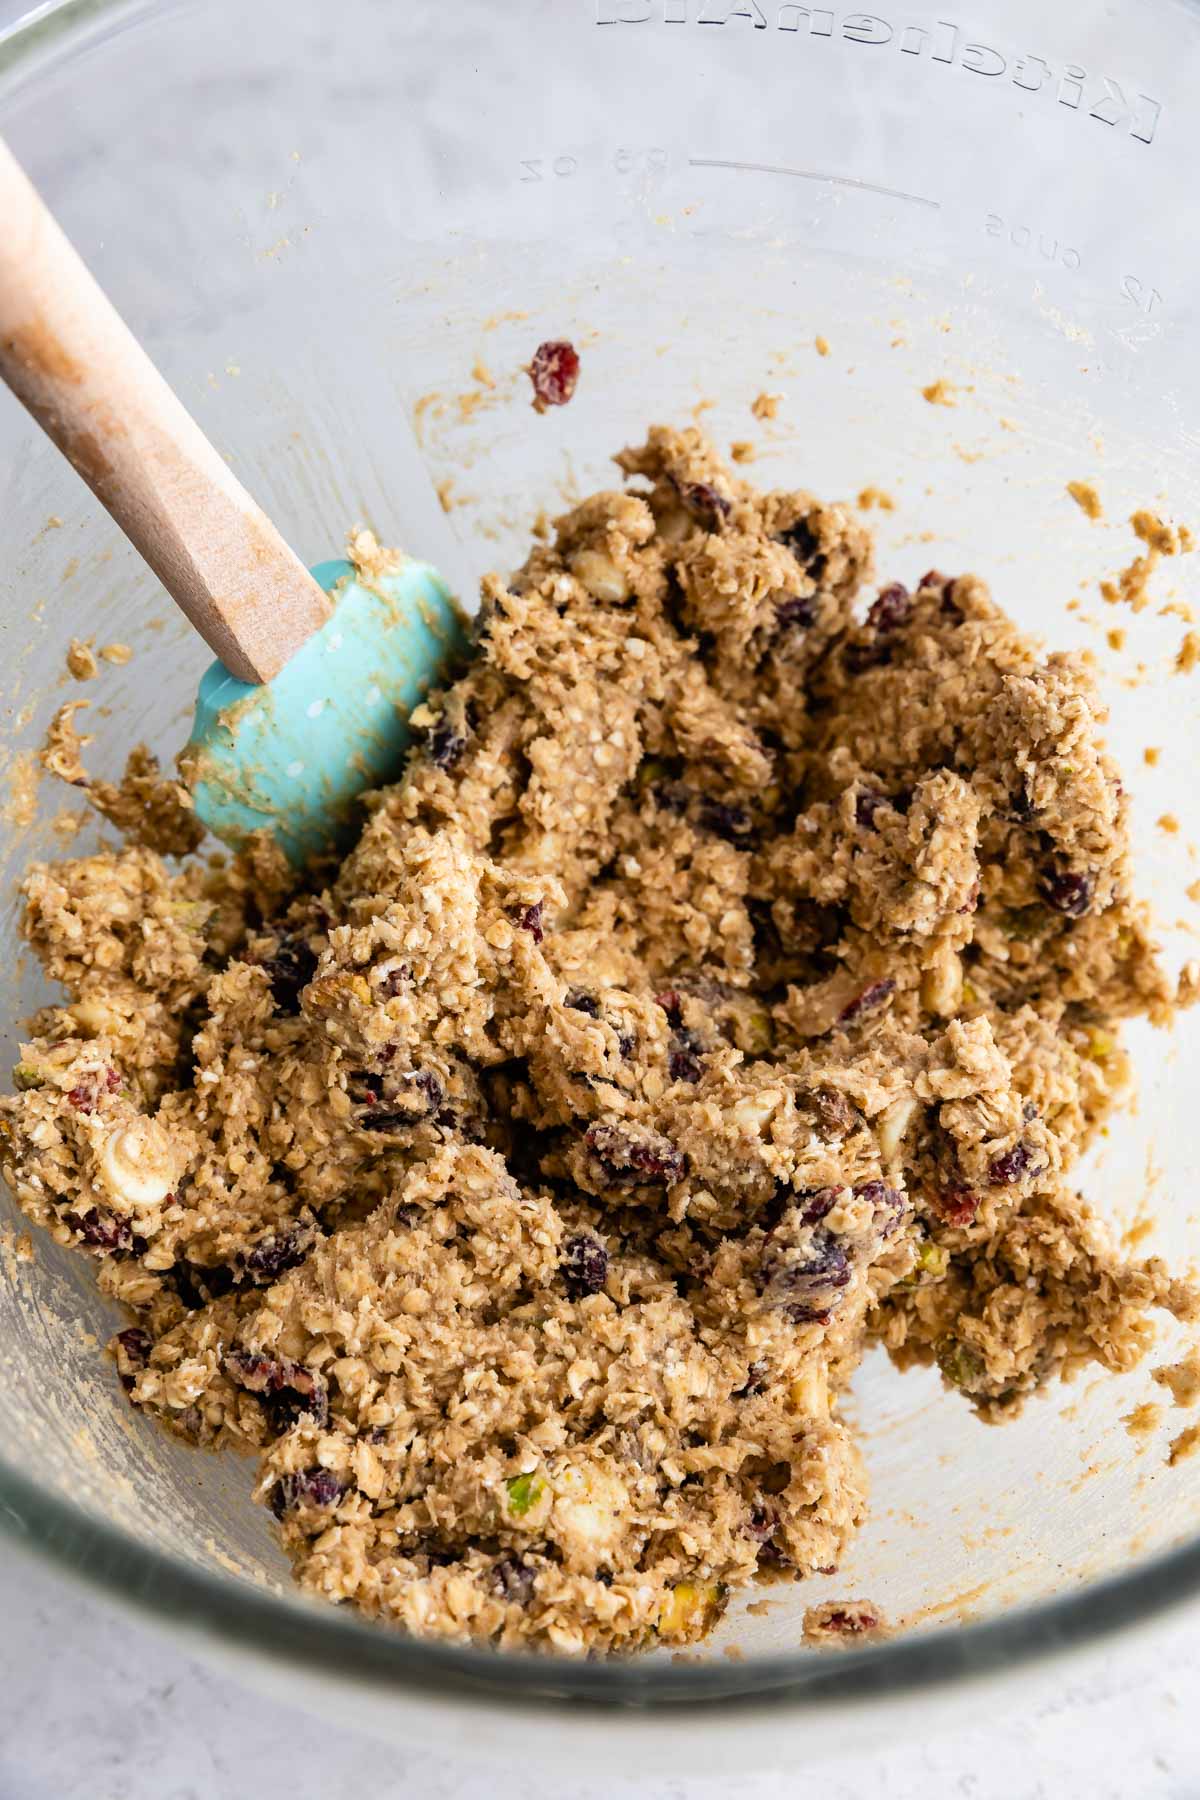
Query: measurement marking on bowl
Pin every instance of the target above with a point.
(850, 181)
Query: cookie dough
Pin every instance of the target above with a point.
(732, 981)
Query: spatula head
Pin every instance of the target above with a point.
(292, 756)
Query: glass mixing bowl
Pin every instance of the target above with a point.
(336, 227)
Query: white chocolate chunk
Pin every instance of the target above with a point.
(136, 1164)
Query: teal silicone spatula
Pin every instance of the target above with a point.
(318, 670)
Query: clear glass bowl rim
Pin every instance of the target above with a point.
(317, 1640)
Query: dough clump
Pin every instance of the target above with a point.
(731, 982)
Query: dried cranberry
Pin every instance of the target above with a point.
(1011, 1166)
(671, 1004)
(804, 545)
(584, 1003)
(289, 968)
(887, 612)
(584, 1263)
(286, 1407)
(672, 796)
(554, 373)
(850, 1624)
(630, 1161)
(888, 1204)
(829, 1262)
(797, 611)
(279, 1251)
(308, 1487)
(729, 822)
(956, 1205)
(807, 1287)
(406, 1100)
(867, 803)
(891, 608)
(815, 1203)
(135, 1346)
(810, 1312)
(1068, 891)
(85, 1095)
(426, 1083)
(683, 1060)
(445, 745)
(944, 586)
(529, 918)
(102, 1231)
(705, 503)
(395, 981)
(514, 1578)
(286, 1388)
(868, 1001)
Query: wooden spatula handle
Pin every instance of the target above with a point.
(72, 361)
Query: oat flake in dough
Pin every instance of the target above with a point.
(732, 981)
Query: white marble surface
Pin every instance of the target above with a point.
(93, 1708)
